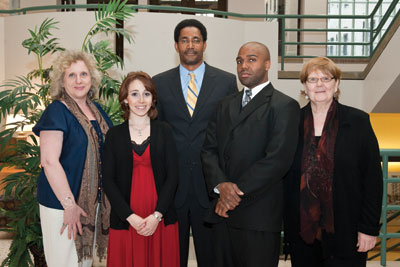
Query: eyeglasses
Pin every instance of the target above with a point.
(322, 79)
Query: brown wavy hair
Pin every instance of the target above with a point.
(148, 84)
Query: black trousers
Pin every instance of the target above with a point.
(192, 215)
(320, 255)
(235, 247)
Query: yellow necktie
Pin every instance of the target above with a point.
(192, 94)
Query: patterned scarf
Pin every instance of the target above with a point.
(316, 205)
(91, 177)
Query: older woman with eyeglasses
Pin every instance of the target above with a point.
(333, 191)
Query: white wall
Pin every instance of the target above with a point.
(73, 27)
(29, 3)
(383, 73)
(249, 7)
(153, 50)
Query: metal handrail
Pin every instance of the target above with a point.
(384, 235)
(389, 219)
(373, 31)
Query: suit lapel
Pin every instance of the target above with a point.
(175, 87)
(205, 90)
(262, 98)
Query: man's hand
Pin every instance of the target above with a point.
(229, 195)
(221, 210)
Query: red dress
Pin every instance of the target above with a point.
(126, 248)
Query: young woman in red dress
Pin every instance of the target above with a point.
(140, 178)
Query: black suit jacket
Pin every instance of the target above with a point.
(189, 131)
(117, 166)
(357, 183)
(252, 147)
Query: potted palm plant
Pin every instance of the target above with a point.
(24, 97)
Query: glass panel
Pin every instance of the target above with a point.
(291, 50)
(347, 9)
(376, 22)
(333, 9)
(358, 50)
(360, 24)
(384, 8)
(346, 23)
(360, 9)
(346, 49)
(358, 37)
(371, 7)
(333, 36)
(333, 23)
(387, 24)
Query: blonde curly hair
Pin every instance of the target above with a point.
(63, 62)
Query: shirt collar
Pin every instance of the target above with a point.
(198, 72)
(257, 89)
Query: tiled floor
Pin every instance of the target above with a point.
(5, 244)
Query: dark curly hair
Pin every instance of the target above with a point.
(190, 23)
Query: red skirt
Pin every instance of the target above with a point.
(126, 248)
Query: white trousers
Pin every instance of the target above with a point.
(58, 249)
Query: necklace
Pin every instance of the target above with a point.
(139, 130)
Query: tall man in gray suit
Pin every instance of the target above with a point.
(249, 147)
(187, 98)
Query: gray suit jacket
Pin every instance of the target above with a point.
(189, 131)
(254, 148)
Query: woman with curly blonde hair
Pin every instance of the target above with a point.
(74, 212)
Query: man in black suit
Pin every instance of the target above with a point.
(187, 98)
(249, 147)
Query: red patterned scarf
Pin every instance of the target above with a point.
(316, 205)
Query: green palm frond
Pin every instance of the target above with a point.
(37, 42)
(107, 17)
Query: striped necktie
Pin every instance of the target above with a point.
(192, 94)
(247, 97)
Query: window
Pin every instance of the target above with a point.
(354, 7)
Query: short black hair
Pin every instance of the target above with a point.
(190, 23)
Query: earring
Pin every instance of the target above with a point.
(306, 97)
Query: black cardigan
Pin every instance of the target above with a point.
(117, 166)
(357, 183)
